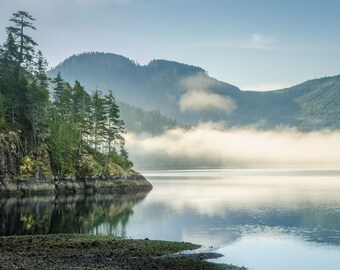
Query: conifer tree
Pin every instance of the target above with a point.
(38, 103)
(40, 72)
(115, 126)
(58, 89)
(2, 113)
(81, 101)
(18, 54)
(10, 52)
(99, 117)
(66, 109)
(38, 97)
(25, 44)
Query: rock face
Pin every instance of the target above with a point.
(32, 175)
(10, 155)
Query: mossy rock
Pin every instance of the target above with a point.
(36, 164)
(88, 167)
(27, 166)
(114, 169)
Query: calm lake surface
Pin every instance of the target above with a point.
(261, 219)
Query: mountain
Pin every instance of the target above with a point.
(189, 95)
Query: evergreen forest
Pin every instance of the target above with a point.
(82, 132)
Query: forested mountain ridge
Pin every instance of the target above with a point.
(318, 102)
(156, 86)
(163, 85)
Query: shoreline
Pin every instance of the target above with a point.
(113, 184)
(78, 251)
(25, 175)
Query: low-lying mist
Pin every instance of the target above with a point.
(212, 145)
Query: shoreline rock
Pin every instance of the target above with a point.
(104, 185)
(29, 186)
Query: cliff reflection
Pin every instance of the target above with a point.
(80, 214)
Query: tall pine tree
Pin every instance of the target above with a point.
(99, 118)
(22, 21)
(115, 126)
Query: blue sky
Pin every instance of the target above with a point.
(253, 44)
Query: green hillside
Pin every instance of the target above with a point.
(318, 102)
(138, 120)
(162, 84)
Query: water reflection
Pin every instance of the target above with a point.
(227, 205)
(257, 218)
(81, 214)
(273, 214)
(274, 250)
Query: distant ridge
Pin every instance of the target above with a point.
(163, 85)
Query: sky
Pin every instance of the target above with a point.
(253, 44)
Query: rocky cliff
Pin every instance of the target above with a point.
(11, 154)
(31, 174)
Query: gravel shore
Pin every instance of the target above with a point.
(72, 251)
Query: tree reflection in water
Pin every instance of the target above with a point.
(77, 214)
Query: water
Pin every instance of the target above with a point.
(261, 219)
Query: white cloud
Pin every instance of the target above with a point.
(198, 100)
(199, 95)
(199, 81)
(260, 39)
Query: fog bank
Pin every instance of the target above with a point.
(211, 145)
(197, 100)
(199, 96)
